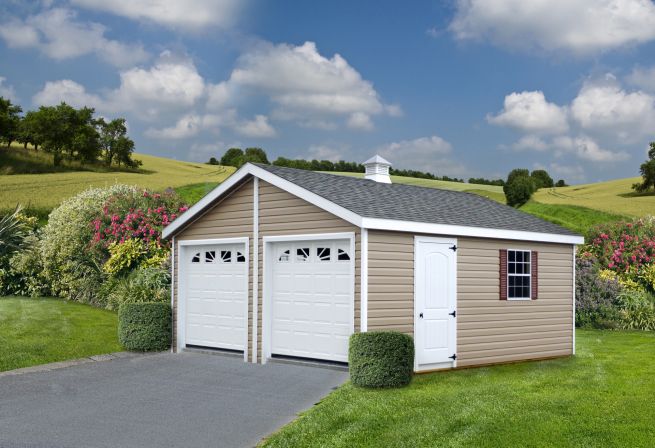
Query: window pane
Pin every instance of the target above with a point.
(342, 255)
(511, 268)
(240, 258)
(526, 256)
(511, 255)
(323, 253)
(196, 258)
(285, 256)
(226, 256)
(210, 255)
(302, 254)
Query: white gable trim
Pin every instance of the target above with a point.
(250, 169)
(355, 219)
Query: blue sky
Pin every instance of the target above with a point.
(460, 88)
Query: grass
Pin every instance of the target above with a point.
(40, 193)
(601, 397)
(194, 192)
(573, 217)
(20, 160)
(38, 331)
(614, 196)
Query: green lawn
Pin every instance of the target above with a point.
(573, 217)
(38, 331)
(600, 398)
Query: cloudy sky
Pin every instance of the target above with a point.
(457, 87)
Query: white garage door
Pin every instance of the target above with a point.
(216, 295)
(312, 299)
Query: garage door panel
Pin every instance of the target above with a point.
(216, 296)
(312, 300)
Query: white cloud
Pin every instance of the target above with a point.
(170, 82)
(425, 153)
(54, 92)
(530, 112)
(530, 143)
(259, 127)
(324, 152)
(570, 173)
(604, 106)
(586, 148)
(6, 90)
(188, 14)
(303, 85)
(643, 78)
(583, 147)
(58, 35)
(577, 26)
(360, 120)
(187, 126)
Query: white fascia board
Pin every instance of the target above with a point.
(249, 169)
(477, 232)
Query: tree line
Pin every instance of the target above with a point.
(521, 184)
(68, 133)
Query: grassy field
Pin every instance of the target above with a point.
(38, 331)
(573, 217)
(614, 196)
(602, 397)
(42, 192)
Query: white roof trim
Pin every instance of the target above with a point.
(250, 169)
(479, 232)
(357, 220)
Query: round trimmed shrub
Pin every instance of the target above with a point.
(381, 359)
(145, 326)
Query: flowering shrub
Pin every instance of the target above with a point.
(142, 217)
(623, 246)
(596, 297)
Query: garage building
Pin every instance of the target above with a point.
(280, 262)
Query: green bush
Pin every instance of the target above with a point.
(637, 310)
(141, 285)
(519, 191)
(145, 326)
(381, 359)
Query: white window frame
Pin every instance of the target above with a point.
(270, 259)
(529, 275)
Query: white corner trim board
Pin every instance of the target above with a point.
(255, 268)
(357, 220)
(574, 250)
(173, 279)
(363, 288)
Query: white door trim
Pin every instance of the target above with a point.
(183, 251)
(255, 267)
(363, 287)
(268, 276)
(417, 241)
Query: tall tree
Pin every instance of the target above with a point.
(57, 127)
(85, 145)
(9, 120)
(542, 179)
(111, 135)
(232, 157)
(519, 187)
(647, 170)
(28, 130)
(255, 155)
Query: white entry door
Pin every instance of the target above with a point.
(435, 302)
(216, 295)
(312, 299)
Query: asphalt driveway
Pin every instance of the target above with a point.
(164, 400)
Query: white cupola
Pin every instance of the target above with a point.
(377, 169)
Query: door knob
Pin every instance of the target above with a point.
(421, 315)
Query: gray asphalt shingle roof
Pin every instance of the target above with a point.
(371, 199)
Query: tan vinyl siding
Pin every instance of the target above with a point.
(230, 218)
(281, 213)
(489, 330)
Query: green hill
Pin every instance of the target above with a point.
(42, 192)
(578, 207)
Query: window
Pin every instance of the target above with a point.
(302, 254)
(285, 256)
(342, 255)
(226, 256)
(519, 271)
(323, 253)
(210, 256)
(196, 258)
(240, 257)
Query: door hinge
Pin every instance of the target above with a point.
(454, 313)
(453, 248)
(454, 357)
(420, 315)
